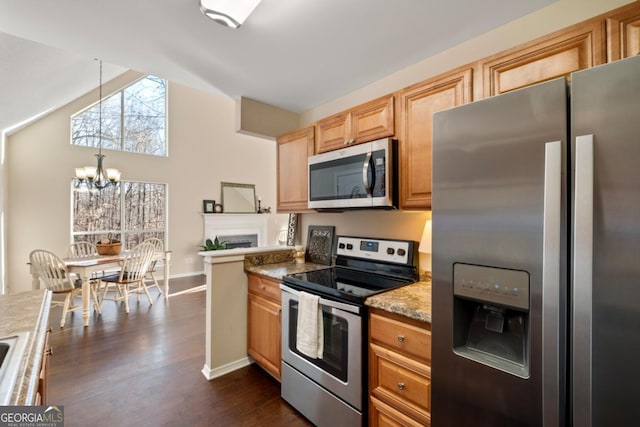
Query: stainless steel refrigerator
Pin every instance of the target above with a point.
(536, 255)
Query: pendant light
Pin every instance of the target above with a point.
(97, 178)
(230, 13)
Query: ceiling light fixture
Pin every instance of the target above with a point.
(230, 13)
(96, 178)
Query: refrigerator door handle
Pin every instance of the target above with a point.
(551, 282)
(582, 281)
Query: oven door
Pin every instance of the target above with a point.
(340, 369)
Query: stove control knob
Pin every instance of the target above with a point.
(390, 251)
(349, 246)
(341, 246)
(401, 252)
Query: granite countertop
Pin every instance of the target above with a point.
(27, 312)
(277, 264)
(412, 301)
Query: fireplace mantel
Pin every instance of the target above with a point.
(265, 226)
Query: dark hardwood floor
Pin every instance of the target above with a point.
(143, 369)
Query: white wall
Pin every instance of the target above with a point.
(203, 151)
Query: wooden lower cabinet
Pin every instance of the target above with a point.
(264, 316)
(399, 370)
(42, 396)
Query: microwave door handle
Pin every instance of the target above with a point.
(366, 166)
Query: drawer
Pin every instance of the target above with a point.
(383, 415)
(405, 337)
(401, 382)
(404, 384)
(267, 288)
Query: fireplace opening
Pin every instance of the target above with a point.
(240, 240)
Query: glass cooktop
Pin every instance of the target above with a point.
(343, 283)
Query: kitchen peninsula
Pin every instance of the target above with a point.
(226, 299)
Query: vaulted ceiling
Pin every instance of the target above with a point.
(294, 54)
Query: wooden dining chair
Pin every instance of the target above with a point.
(159, 247)
(130, 279)
(53, 273)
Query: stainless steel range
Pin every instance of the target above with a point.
(330, 390)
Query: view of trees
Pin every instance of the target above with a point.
(134, 120)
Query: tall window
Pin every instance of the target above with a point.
(130, 212)
(133, 119)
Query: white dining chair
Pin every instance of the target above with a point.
(53, 273)
(81, 250)
(159, 247)
(130, 279)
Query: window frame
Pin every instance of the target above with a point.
(121, 94)
(122, 232)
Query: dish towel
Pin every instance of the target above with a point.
(309, 334)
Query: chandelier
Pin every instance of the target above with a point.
(97, 178)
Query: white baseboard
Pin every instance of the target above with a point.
(177, 276)
(210, 374)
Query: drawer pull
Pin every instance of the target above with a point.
(400, 386)
(401, 338)
(263, 287)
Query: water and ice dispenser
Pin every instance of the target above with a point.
(491, 317)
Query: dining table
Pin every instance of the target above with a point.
(85, 267)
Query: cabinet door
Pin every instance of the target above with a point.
(43, 376)
(293, 150)
(417, 105)
(364, 123)
(264, 333)
(623, 33)
(575, 48)
(373, 120)
(333, 132)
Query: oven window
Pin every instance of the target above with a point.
(336, 338)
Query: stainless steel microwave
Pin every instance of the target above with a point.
(357, 177)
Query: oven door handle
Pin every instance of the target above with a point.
(327, 303)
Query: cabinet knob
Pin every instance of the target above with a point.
(400, 386)
(401, 338)
(263, 287)
(346, 141)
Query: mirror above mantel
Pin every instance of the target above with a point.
(238, 198)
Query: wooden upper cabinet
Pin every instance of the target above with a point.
(417, 105)
(333, 132)
(364, 123)
(623, 33)
(293, 150)
(575, 48)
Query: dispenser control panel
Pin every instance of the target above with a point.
(493, 285)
